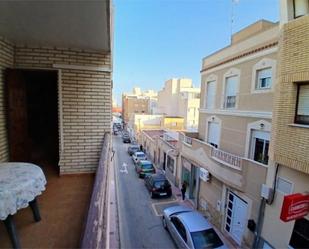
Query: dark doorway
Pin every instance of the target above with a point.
(32, 115)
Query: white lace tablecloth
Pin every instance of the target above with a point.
(20, 183)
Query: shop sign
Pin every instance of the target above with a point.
(204, 174)
(294, 206)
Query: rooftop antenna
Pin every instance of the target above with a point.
(234, 3)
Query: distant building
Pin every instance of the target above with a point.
(180, 98)
(138, 102)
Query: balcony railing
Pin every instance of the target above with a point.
(188, 140)
(230, 102)
(226, 158)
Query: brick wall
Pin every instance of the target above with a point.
(290, 144)
(85, 101)
(6, 60)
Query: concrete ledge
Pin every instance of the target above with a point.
(94, 232)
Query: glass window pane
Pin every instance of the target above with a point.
(303, 104)
(264, 78)
(258, 152)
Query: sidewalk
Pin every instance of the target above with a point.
(188, 203)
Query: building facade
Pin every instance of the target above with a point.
(162, 147)
(225, 163)
(180, 98)
(289, 158)
(138, 102)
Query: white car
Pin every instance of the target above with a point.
(190, 229)
(139, 155)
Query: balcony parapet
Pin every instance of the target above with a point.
(226, 158)
(229, 168)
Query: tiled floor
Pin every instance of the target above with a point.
(63, 206)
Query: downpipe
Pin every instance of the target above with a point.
(257, 235)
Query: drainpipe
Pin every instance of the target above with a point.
(263, 203)
(259, 224)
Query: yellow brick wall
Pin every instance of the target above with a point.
(86, 101)
(6, 60)
(290, 144)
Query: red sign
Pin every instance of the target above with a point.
(294, 206)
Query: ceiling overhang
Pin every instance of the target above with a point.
(69, 24)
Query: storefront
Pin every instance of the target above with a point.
(190, 175)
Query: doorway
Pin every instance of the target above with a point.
(32, 116)
(236, 215)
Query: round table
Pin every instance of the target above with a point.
(20, 183)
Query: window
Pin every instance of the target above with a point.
(260, 146)
(210, 95)
(206, 239)
(170, 164)
(301, 8)
(180, 228)
(213, 134)
(300, 235)
(302, 109)
(263, 80)
(230, 92)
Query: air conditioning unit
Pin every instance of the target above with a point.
(266, 192)
(204, 174)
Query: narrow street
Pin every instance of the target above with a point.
(139, 216)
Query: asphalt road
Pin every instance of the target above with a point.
(139, 223)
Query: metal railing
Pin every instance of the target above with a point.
(230, 102)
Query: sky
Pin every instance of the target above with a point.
(155, 40)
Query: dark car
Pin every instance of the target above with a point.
(158, 185)
(133, 148)
(126, 138)
(144, 167)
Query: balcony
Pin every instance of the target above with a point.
(230, 102)
(231, 169)
(226, 158)
(72, 208)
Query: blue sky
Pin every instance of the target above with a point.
(155, 40)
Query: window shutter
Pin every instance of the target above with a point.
(231, 86)
(261, 135)
(303, 100)
(264, 73)
(301, 7)
(210, 98)
(213, 133)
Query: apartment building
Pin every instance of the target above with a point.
(138, 102)
(180, 98)
(286, 219)
(225, 162)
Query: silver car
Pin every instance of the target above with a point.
(190, 229)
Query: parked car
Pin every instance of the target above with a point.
(126, 138)
(158, 185)
(189, 229)
(144, 167)
(139, 155)
(133, 148)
